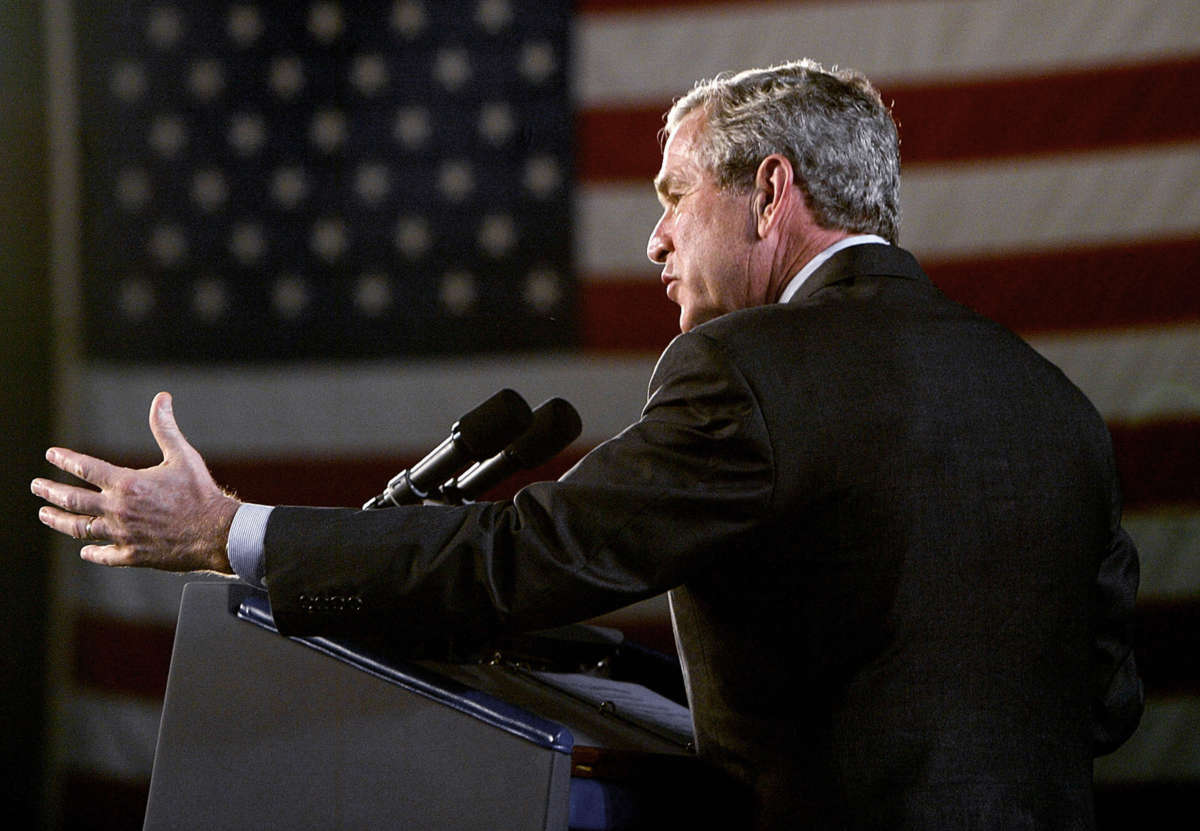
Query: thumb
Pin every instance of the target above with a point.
(166, 432)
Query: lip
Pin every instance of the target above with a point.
(670, 281)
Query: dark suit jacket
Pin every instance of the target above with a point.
(891, 534)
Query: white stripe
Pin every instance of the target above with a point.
(1169, 544)
(329, 410)
(137, 594)
(385, 408)
(113, 736)
(1164, 748)
(116, 737)
(656, 56)
(960, 210)
(1132, 375)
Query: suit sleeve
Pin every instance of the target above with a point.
(1118, 695)
(691, 479)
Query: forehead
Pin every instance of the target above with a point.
(681, 157)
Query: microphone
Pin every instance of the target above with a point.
(555, 425)
(477, 435)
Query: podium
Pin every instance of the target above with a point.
(263, 731)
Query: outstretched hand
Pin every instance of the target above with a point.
(171, 516)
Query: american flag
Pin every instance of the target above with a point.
(1051, 160)
(273, 181)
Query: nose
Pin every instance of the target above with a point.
(659, 244)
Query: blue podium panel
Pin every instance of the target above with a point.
(259, 731)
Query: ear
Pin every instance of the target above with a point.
(773, 193)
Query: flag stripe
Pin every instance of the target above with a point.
(1153, 471)
(1167, 538)
(137, 667)
(1155, 467)
(1056, 290)
(955, 211)
(391, 409)
(650, 57)
(955, 121)
(122, 656)
(1103, 286)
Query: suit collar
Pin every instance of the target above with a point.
(869, 260)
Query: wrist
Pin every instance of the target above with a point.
(223, 510)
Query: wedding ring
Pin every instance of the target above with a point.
(87, 529)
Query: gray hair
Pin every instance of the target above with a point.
(831, 125)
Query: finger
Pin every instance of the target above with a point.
(166, 432)
(105, 555)
(73, 525)
(74, 499)
(88, 468)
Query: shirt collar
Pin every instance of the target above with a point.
(789, 291)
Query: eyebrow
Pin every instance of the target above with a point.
(664, 184)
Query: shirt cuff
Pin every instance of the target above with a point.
(245, 544)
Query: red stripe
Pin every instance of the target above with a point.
(91, 801)
(1168, 647)
(632, 315)
(96, 802)
(1159, 463)
(346, 482)
(982, 119)
(605, 6)
(120, 656)
(1100, 287)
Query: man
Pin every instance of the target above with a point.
(890, 529)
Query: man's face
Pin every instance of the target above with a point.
(705, 237)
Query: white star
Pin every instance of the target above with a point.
(329, 239)
(408, 18)
(452, 68)
(537, 61)
(168, 135)
(245, 24)
(286, 76)
(369, 74)
(290, 296)
(328, 130)
(135, 298)
(496, 123)
(206, 79)
(372, 183)
(373, 294)
(456, 180)
(210, 299)
(289, 186)
(168, 245)
(128, 81)
(493, 15)
(542, 176)
(247, 133)
(247, 243)
(165, 26)
(542, 289)
(497, 234)
(325, 21)
(458, 292)
(133, 189)
(412, 236)
(412, 127)
(209, 189)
